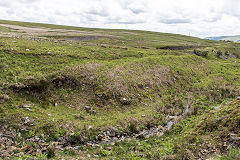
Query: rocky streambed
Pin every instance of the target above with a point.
(110, 137)
(9, 144)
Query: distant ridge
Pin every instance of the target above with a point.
(226, 38)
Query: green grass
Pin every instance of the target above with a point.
(122, 77)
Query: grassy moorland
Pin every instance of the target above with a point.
(66, 92)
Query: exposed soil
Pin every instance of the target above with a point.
(84, 38)
(177, 47)
(41, 31)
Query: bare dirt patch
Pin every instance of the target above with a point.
(84, 38)
(177, 47)
(33, 32)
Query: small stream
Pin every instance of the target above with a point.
(153, 131)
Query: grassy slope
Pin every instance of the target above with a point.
(103, 73)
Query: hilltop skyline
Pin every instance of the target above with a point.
(189, 17)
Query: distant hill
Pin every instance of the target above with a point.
(226, 38)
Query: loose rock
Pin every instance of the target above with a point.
(26, 120)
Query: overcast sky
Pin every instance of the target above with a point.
(201, 18)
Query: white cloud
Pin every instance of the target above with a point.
(199, 18)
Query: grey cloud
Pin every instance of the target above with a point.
(214, 18)
(137, 11)
(90, 18)
(60, 13)
(4, 3)
(232, 7)
(101, 12)
(130, 22)
(10, 12)
(28, 1)
(175, 21)
(124, 21)
(136, 7)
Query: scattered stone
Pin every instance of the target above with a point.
(18, 86)
(11, 149)
(223, 57)
(143, 115)
(26, 120)
(5, 155)
(89, 144)
(27, 107)
(51, 151)
(219, 119)
(99, 137)
(228, 103)
(217, 107)
(234, 137)
(96, 156)
(140, 136)
(92, 112)
(109, 148)
(78, 116)
(238, 98)
(161, 128)
(49, 115)
(125, 101)
(186, 109)
(106, 139)
(99, 95)
(4, 97)
(91, 78)
(89, 155)
(169, 125)
(90, 127)
(112, 132)
(113, 143)
(35, 139)
(88, 108)
(173, 117)
(27, 49)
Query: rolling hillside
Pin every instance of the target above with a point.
(84, 93)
